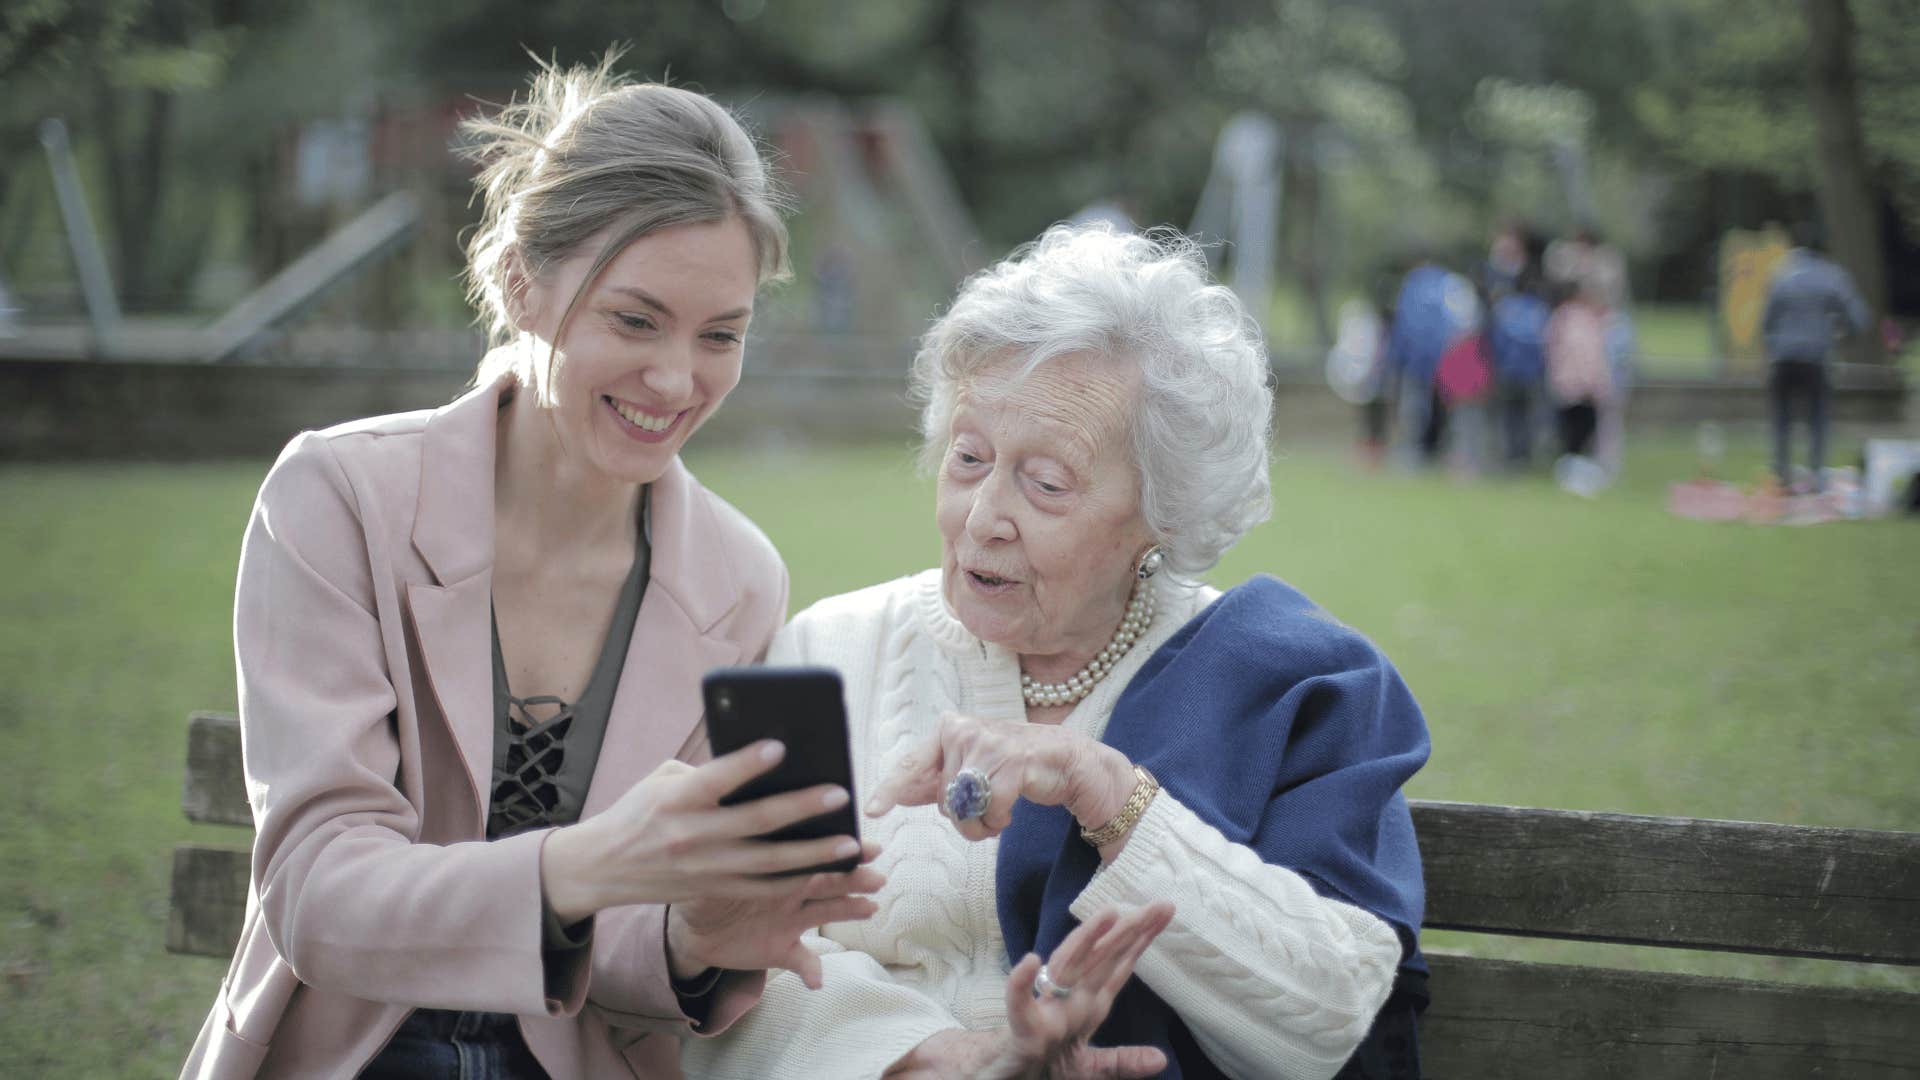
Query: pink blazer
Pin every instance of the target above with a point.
(365, 666)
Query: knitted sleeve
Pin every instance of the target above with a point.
(862, 1019)
(856, 1025)
(1272, 978)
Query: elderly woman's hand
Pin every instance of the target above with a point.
(1048, 1028)
(1042, 763)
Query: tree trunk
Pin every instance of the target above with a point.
(136, 181)
(1848, 200)
(963, 81)
(1304, 224)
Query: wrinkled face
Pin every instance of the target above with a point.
(651, 349)
(1039, 505)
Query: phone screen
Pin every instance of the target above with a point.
(804, 708)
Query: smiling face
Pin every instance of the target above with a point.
(651, 349)
(1039, 508)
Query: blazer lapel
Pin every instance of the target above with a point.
(454, 628)
(690, 587)
(453, 531)
(657, 704)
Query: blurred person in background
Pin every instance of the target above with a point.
(1511, 254)
(1433, 307)
(1580, 382)
(1516, 343)
(470, 641)
(1585, 264)
(1464, 381)
(1811, 304)
(1357, 364)
(1610, 434)
(1066, 734)
(1583, 259)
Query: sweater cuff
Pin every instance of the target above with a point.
(1133, 877)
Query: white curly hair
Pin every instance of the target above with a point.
(1199, 427)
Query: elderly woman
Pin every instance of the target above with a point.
(1060, 721)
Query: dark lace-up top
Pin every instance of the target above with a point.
(544, 748)
(544, 752)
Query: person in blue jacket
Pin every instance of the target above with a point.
(1811, 304)
(1516, 340)
(1428, 314)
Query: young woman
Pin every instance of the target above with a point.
(470, 643)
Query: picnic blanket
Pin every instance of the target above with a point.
(1716, 500)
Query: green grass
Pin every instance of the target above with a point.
(1568, 653)
(118, 600)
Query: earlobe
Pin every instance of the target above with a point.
(519, 298)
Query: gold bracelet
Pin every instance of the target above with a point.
(1143, 793)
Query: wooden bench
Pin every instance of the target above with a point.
(1776, 890)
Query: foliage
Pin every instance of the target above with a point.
(1430, 117)
(1727, 89)
(120, 71)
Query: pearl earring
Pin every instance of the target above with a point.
(1149, 563)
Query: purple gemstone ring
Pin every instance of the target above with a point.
(968, 795)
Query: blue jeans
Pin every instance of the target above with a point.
(440, 1044)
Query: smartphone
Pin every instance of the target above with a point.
(805, 708)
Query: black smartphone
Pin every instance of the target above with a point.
(805, 708)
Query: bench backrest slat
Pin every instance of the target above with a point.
(1493, 1019)
(216, 788)
(1783, 890)
(1846, 894)
(209, 903)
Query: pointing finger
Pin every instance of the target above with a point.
(914, 781)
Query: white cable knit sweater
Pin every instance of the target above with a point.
(1273, 980)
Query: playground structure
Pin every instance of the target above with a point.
(880, 242)
(882, 238)
(381, 229)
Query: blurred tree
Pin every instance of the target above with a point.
(118, 69)
(1410, 119)
(1818, 95)
(1324, 71)
(1848, 201)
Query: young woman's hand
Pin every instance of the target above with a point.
(959, 1054)
(747, 935)
(668, 840)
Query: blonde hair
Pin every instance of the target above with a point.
(588, 150)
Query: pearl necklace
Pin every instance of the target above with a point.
(1078, 685)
